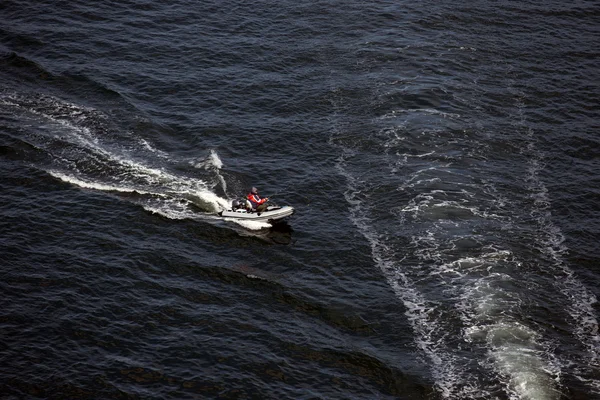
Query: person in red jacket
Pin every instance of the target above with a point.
(258, 204)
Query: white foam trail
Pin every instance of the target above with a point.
(215, 159)
(145, 144)
(449, 378)
(526, 367)
(515, 353)
(61, 110)
(580, 299)
(524, 362)
(96, 185)
(161, 180)
(490, 311)
(513, 350)
(170, 209)
(165, 204)
(214, 163)
(130, 175)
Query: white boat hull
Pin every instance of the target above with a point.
(272, 213)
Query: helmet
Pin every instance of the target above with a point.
(235, 204)
(254, 190)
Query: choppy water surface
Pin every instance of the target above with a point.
(442, 159)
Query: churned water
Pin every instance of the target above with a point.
(442, 158)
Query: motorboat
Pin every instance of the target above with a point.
(242, 210)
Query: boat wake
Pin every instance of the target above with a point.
(453, 239)
(86, 149)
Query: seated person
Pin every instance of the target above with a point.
(259, 204)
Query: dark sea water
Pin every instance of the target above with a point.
(442, 157)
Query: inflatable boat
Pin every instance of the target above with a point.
(272, 213)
